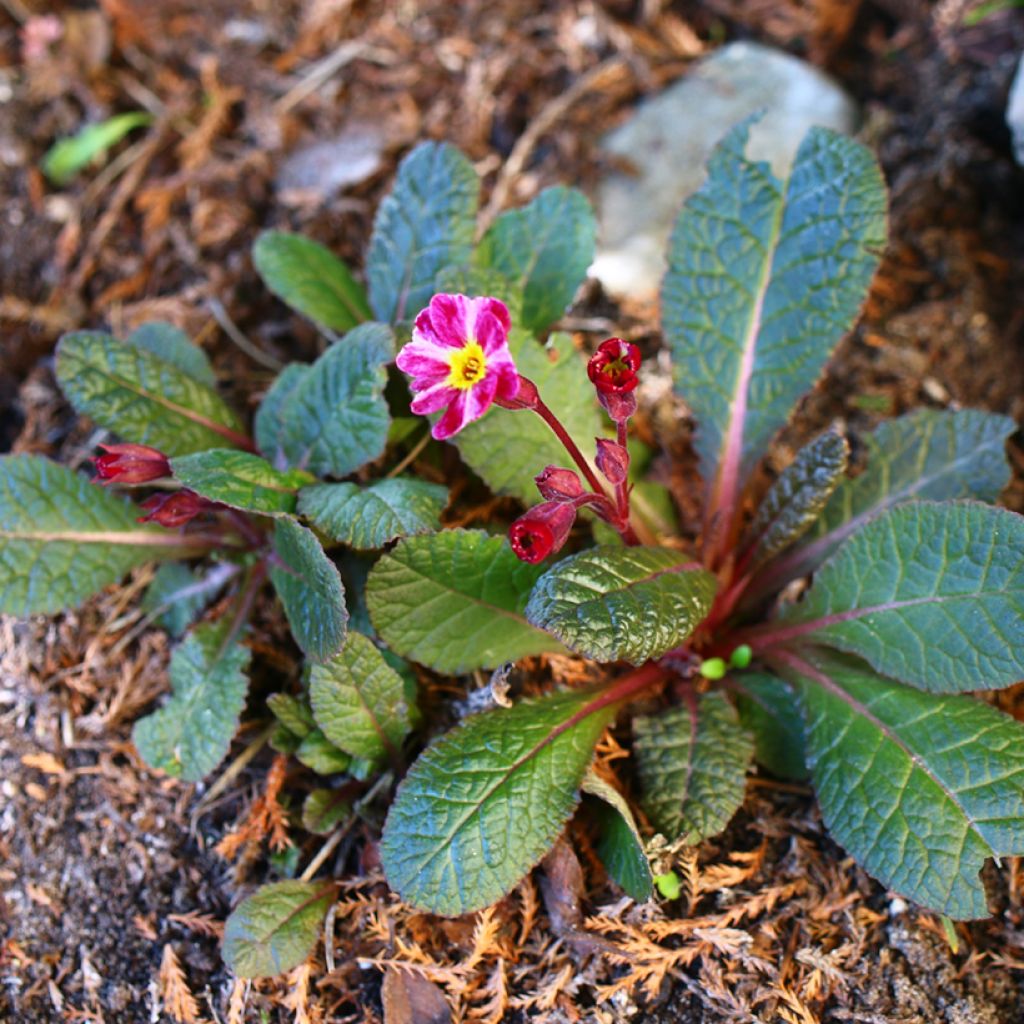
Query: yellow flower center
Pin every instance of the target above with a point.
(467, 366)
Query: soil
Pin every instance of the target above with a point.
(98, 854)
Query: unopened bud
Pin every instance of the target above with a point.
(557, 484)
(542, 530)
(527, 397)
(612, 460)
(174, 509)
(130, 464)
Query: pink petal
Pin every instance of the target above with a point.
(497, 309)
(433, 398)
(451, 318)
(491, 333)
(453, 420)
(422, 358)
(506, 379)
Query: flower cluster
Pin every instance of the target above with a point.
(459, 361)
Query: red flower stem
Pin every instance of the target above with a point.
(628, 534)
(622, 490)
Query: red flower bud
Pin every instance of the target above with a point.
(542, 530)
(612, 460)
(557, 484)
(131, 464)
(174, 509)
(618, 407)
(613, 367)
(527, 397)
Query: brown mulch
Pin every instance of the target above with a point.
(112, 895)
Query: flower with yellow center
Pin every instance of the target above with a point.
(459, 358)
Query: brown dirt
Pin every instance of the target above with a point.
(97, 853)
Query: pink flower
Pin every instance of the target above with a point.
(459, 358)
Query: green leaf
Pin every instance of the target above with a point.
(769, 710)
(241, 480)
(619, 846)
(764, 278)
(141, 397)
(174, 346)
(928, 454)
(485, 802)
(177, 595)
(692, 764)
(370, 516)
(454, 601)
(323, 810)
(622, 604)
(930, 593)
(310, 588)
(292, 713)
(63, 539)
(920, 789)
(320, 755)
(544, 248)
(190, 735)
(359, 701)
(797, 497)
(310, 279)
(425, 224)
(330, 418)
(506, 448)
(477, 280)
(276, 928)
(66, 157)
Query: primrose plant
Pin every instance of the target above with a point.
(826, 626)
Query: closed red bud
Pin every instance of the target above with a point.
(542, 530)
(613, 367)
(618, 407)
(612, 460)
(527, 397)
(557, 484)
(174, 509)
(131, 464)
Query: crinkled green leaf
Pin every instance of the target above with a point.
(544, 248)
(930, 593)
(797, 497)
(294, 714)
(173, 345)
(454, 601)
(276, 928)
(63, 539)
(66, 157)
(619, 844)
(764, 279)
(485, 802)
(241, 480)
(928, 454)
(507, 449)
(178, 594)
(359, 700)
(921, 789)
(190, 735)
(425, 224)
(310, 279)
(622, 603)
(769, 710)
(477, 280)
(372, 515)
(330, 418)
(323, 810)
(310, 588)
(320, 755)
(692, 764)
(141, 397)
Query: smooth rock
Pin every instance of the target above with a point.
(319, 171)
(1015, 112)
(669, 138)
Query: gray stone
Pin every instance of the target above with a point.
(321, 170)
(1015, 112)
(669, 138)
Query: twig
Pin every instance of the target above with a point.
(542, 123)
(324, 70)
(228, 326)
(411, 457)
